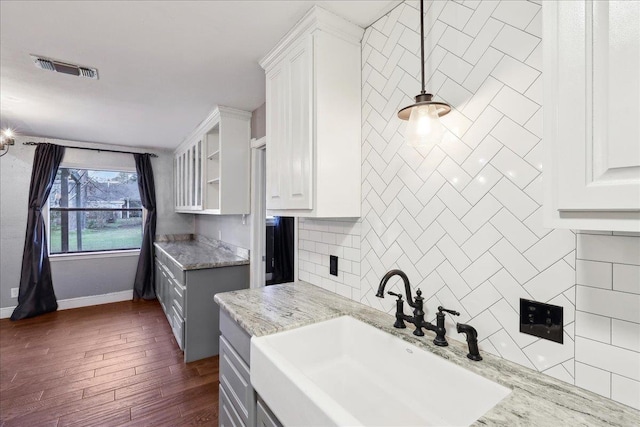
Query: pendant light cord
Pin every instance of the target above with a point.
(422, 44)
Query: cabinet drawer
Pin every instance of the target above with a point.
(234, 376)
(264, 416)
(237, 337)
(169, 315)
(178, 327)
(173, 270)
(177, 295)
(176, 272)
(162, 257)
(228, 415)
(178, 307)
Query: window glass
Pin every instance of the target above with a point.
(94, 210)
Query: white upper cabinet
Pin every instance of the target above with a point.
(211, 167)
(313, 119)
(592, 114)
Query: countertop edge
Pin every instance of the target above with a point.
(200, 266)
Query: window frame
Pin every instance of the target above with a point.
(68, 256)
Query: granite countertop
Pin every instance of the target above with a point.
(536, 399)
(198, 252)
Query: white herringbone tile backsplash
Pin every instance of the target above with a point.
(463, 221)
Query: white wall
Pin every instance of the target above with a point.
(234, 229)
(76, 277)
(463, 221)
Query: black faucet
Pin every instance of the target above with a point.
(472, 340)
(418, 313)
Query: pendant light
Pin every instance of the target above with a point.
(424, 128)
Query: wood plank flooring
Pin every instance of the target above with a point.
(108, 365)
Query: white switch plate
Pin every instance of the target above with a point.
(14, 292)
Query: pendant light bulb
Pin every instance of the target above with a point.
(424, 128)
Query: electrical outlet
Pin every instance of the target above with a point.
(333, 265)
(14, 292)
(541, 320)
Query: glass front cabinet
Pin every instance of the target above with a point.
(212, 166)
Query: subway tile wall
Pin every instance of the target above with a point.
(317, 239)
(464, 221)
(607, 349)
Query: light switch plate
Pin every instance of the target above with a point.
(14, 292)
(541, 320)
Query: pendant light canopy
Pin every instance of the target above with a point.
(424, 128)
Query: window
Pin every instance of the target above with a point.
(94, 210)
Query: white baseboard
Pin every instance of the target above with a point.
(65, 304)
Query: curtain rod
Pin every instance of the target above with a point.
(93, 149)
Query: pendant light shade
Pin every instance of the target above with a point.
(424, 128)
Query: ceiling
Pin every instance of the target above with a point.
(163, 65)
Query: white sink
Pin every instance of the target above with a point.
(343, 372)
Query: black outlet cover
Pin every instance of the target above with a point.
(333, 265)
(541, 320)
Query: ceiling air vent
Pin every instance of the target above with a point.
(65, 68)
(44, 64)
(88, 72)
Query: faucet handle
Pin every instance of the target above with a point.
(441, 309)
(395, 295)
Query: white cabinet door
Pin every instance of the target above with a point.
(314, 147)
(277, 119)
(188, 178)
(290, 127)
(592, 115)
(597, 118)
(299, 146)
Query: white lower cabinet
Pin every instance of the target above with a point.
(592, 114)
(239, 404)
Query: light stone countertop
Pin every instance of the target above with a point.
(536, 400)
(197, 252)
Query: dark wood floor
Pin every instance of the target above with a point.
(110, 365)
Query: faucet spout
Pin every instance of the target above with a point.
(472, 340)
(405, 279)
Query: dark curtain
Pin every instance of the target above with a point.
(283, 251)
(143, 286)
(36, 295)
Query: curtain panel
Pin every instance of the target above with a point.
(36, 295)
(144, 283)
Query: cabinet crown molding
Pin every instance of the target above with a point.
(315, 19)
(210, 121)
